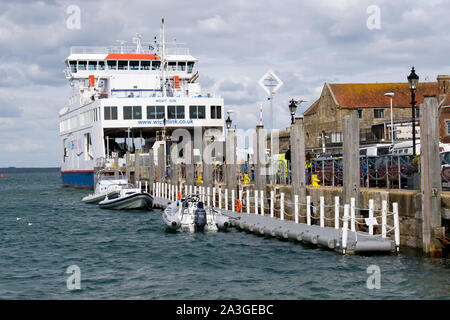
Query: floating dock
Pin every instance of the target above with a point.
(341, 240)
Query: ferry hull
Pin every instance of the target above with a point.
(78, 179)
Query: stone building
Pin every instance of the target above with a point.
(323, 119)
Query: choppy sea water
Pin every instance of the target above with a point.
(129, 255)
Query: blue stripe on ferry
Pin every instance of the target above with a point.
(80, 179)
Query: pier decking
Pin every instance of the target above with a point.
(341, 240)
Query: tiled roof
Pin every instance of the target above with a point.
(312, 108)
(369, 95)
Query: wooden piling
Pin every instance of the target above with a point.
(351, 181)
(161, 163)
(431, 177)
(298, 159)
(231, 159)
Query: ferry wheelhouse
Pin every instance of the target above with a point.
(125, 98)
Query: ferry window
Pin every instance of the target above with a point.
(156, 65)
(123, 65)
(378, 113)
(197, 112)
(110, 113)
(190, 66)
(92, 65)
(216, 112)
(73, 66)
(172, 66)
(134, 65)
(181, 66)
(155, 112)
(145, 65)
(82, 65)
(130, 113)
(175, 112)
(112, 65)
(101, 65)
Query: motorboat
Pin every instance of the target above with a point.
(128, 197)
(109, 182)
(190, 214)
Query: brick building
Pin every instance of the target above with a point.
(324, 117)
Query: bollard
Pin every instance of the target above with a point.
(322, 212)
(396, 226)
(233, 202)
(226, 199)
(146, 186)
(190, 189)
(176, 192)
(220, 198)
(308, 210)
(281, 206)
(248, 201)
(271, 203)
(296, 208)
(240, 195)
(352, 213)
(345, 229)
(208, 197)
(256, 202)
(195, 189)
(336, 212)
(262, 202)
(371, 216)
(383, 218)
(154, 190)
(214, 197)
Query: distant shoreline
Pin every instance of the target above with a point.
(29, 170)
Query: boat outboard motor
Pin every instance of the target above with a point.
(200, 217)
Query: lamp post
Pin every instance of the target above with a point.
(390, 95)
(413, 80)
(292, 109)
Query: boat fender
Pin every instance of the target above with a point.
(238, 205)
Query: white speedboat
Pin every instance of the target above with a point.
(107, 183)
(190, 214)
(129, 197)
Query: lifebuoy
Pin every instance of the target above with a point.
(179, 195)
(238, 205)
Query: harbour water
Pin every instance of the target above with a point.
(45, 228)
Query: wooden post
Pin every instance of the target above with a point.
(281, 206)
(116, 166)
(259, 157)
(174, 178)
(371, 208)
(151, 166)
(345, 229)
(127, 166)
(351, 179)
(161, 164)
(256, 202)
(137, 166)
(298, 158)
(308, 210)
(336, 212)
(322, 211)
(272, 198)
(432, 228)
(248, 200)
(189, 149)
(296, 208)
(231, 160)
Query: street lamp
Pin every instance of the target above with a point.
(292, 109)
(228, 121)
(390, 95)
(413, 80)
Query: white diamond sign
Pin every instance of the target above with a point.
(270, 82)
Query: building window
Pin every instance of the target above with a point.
(378, 113)
(123, 65)
(448, 127)
(336, 137)
(175, 112)
(155, 112)
(112, 65)
(417, 112)
(360, 113)
(156, 65)
(132, 113)
(216, 112)
(82, 65)
(110, 113)
(172, 66)
(73, 66)
(197, 112)
(92, 65)
(134, 65)
(145, 65)
(190, 66)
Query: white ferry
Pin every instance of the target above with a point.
(123, 97)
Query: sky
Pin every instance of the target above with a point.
(305, 43)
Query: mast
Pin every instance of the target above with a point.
(163, 58)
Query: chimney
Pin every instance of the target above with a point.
(443, 86)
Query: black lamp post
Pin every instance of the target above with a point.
(413, 80)
(292, 109)
(228, 122)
